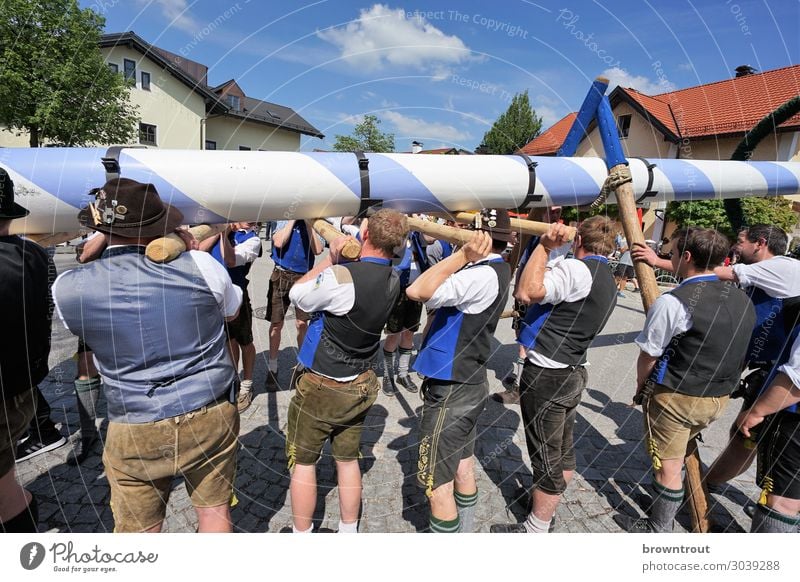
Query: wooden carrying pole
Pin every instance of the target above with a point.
(457, 236)
(51, 240)
(351, 249)
(523, 226)
(696, 494)
(168, 248)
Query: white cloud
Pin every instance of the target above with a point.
(686, 67)
(382, 38)
(617, 76)
(176, 11)
(417, 128)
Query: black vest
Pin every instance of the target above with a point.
(341, 346)
(707, 360)
(564, 332)
(457, 346)
(25, 282)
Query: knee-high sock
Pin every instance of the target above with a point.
(403, 361)
(87, 393)
(466, 510)
(767, 520)
(664, 508)
(388, 363)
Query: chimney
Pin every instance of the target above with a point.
(744, 70)
(416, 147)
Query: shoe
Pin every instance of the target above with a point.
(407, 383)
(507, 528)
(389, 387)
(244, 401)
(31, 447)
(620, 294)
(517, 527)
(421, 376)
(637, 290)
(633, 524)
(272, 381)
(81, 450)
(507, 396)
(511, 382)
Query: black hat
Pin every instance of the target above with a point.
(8, 208)
(127, 208)
(496, 222)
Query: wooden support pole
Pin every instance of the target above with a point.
(696, 495)
(524, 226)
(168, 248)
(351, 249)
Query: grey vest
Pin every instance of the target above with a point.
(156, 330)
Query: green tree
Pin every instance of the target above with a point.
(366, 137)
(54, 83)
(711, 214)
(513, 129)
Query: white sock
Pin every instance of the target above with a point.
(273, 365)
(535, 525)
(246, 385)
(348, 527)
(309, 530)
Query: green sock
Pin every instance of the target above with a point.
(466, 504)
(443, 526)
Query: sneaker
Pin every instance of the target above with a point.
(407, 383)
(633, 524)
(517, 527)
(245, 400)
(31, 447)
(507, 528)
(507, 396)
(389, 387)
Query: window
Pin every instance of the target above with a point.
(113, 67)
(244, 148)
(145, 81)
(130, 70)
(211, 145)
(147, 134)
(233, 101)
(624, 125)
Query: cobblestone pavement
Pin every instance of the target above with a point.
(611, 475)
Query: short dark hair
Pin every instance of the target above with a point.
(775, 237)
(708, 247)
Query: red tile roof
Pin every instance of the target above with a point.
(729, 106)
(548, 142)
(719, 108)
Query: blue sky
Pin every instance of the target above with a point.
(441, 72)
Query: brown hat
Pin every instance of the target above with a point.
(127, 208)
(496, 222)
(8, 208)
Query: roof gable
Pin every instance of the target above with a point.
(548, 142)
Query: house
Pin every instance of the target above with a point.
(179, 109)
(416, 148)
(705, 122)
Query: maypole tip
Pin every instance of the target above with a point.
(602, 80)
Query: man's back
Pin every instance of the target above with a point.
(25, 319)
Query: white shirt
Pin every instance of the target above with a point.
(247, 252)
(228, 295)
(567, 280)
(792, 367)
(470, 290)
(332, 291)
(668, 317)
(778, 277)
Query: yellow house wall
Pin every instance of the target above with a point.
(175, 109)
(230, 133)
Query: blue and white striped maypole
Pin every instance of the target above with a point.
(221, 186)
